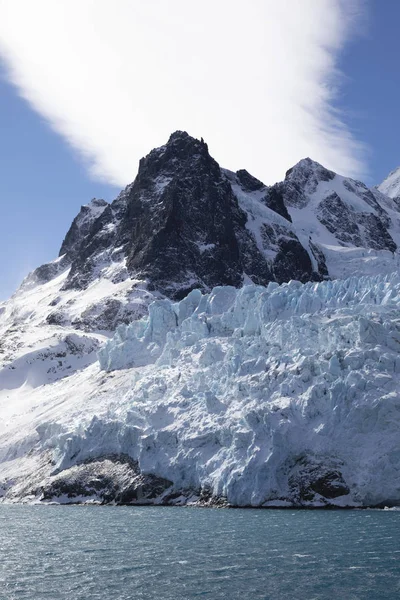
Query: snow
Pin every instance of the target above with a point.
(258, 214)
(93, 210)
(204, 247)
(341, 186)
(391, 185)
(231, 391)
(161, 183)
(42, 364)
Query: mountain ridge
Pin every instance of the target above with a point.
(154, 226)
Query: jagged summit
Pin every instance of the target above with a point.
(180, 138)
(180, 147)
(181, 220)
(307, 166)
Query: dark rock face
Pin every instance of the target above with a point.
(81, 226)
(188, 238)
(97, 248)
(56, 318)
(292, 262)
(248, 182)
(274, 199)
(357, 229)
(180, 227)
(314, 481)
(113, 478)
(108, 315)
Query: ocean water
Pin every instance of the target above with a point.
(120, 553)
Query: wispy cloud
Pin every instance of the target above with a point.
(257, 79)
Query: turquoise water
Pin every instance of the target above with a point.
(176, 553)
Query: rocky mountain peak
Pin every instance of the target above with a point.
(307, 168)
(181, 220)
(182, 141)
(302, 180)
(174, 156)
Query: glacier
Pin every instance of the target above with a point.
(284, 395)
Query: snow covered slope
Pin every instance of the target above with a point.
(391, 185)
(284, 395)
(116, 384)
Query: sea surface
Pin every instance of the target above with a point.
(75, 552)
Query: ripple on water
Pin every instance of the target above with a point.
(159, 553)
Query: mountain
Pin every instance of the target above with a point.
(185, 223)
(190, 344)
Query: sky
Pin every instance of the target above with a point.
(88, 87)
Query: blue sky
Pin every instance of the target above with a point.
(44, 181)
(371, 94)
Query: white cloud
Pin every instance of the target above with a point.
(257, 78)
